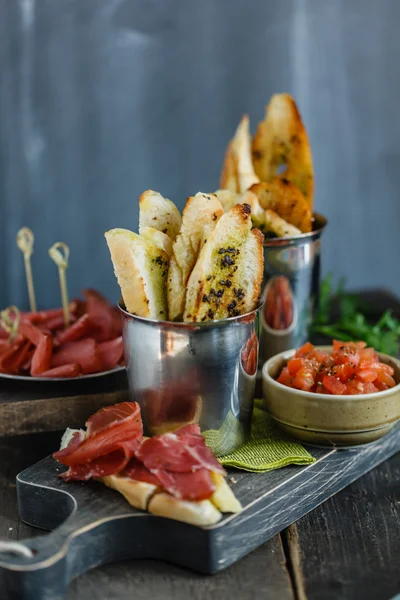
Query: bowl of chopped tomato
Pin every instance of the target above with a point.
(340, 395)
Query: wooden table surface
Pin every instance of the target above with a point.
(347, 548)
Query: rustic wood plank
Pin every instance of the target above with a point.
(261, 574)
(349, 547)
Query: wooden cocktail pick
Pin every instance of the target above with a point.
(9, 320)
(59, 252)
(25, 239)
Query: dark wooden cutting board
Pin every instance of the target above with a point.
(93, 525)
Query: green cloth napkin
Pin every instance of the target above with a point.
(267, 449)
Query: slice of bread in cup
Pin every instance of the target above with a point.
(141, 269)
(238, 172)
(226, 280)
(160, 213)
(199, 218)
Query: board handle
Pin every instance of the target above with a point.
(41, 568)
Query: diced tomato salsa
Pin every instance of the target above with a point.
(350, 369)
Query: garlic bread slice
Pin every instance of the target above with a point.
(160, 239)
(201, 513)
(141, 270)
(238, 171)
(222, 283)
(281, 139)
(278, 226)
(284, 198)
(160, 213)
(199, 218)
(229, 199)
(137, 493)
(223, 498)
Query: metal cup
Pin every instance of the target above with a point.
(291, 289)
(205, 373)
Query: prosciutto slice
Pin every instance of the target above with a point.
(113, 435)
(181, 452)
(137, 471)
(196, 485)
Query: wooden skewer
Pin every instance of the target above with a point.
(9, 320)
(25, 239)
(61, 260)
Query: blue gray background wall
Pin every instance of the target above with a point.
(101, 99)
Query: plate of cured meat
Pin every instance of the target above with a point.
(37, 346)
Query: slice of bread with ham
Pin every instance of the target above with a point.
(173, 475)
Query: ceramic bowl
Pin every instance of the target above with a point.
(327, 420)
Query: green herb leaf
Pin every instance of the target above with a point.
(351, 322)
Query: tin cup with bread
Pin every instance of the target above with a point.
(274, 172)
(191, 287)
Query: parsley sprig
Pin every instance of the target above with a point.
(342, 316)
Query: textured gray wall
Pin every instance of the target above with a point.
(101, 99)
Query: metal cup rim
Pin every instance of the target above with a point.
(190, 325)
(319, 220)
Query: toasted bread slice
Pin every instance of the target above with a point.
(284, 198)
(238, 172)
(141, 270)
(220, 285)
(281, 139)
(160, 239)
(223, 498)
(146, 496)
(229, 174)
(278, 226)
(199, 218)
(160, 213)
(228, 199)
(249, 276)
(200, 513)
(137, 493)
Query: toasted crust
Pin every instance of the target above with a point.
(201, 513)
(160, 239)
(282, 139)
(230, 255)
(199, 218)
(238, 172)
(160, 213)
(278, 226)
(251, 270)
(284, 198)
(141, 270)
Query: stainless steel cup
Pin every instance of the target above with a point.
(182, 373)
(291, 289)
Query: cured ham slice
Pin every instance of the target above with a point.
(104, 316)
(99, 467)
(111, 353)
(137, 471)
(81, 328)
(115, 430)
(84, 352)
(196, 485)
(178, 454)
